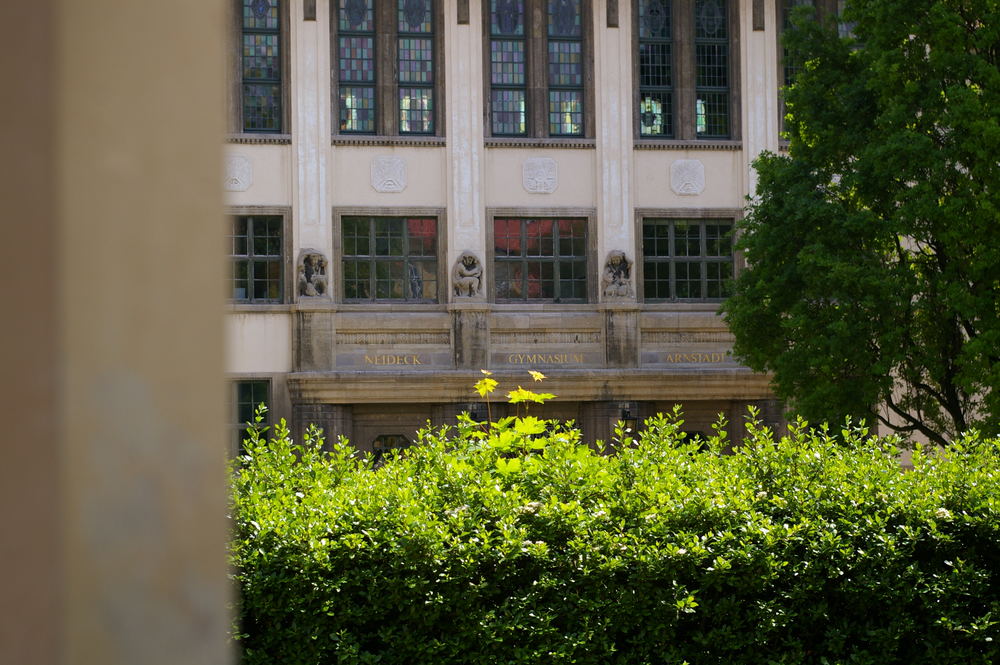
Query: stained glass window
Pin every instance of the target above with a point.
(547, 100)
(390, 258)
(256, 251)
(540, 259)
(416, 66)
(356, 66)
(655, 69)
(565, 47)
(711, 46)
(399, 76)
(686, 259)
(507, 68)
(261, 66)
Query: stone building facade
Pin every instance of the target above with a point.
(421, 189)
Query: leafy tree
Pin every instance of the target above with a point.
(873, 286)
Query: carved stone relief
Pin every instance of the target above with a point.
(383, 338)
(239, 174)
(467, 276)
(312, 274)
(687, 177)
(616, 282)
(540, 175)
(388, 174)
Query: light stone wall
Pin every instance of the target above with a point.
(466, 179)
(271, 173)
(723, 179)
(352, 184)
(504, 185)
(258, 342)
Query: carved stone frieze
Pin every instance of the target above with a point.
(674, 337)
(393, 338)
(239, 174)
(540, 175)
(533, 338)
(687, 177)
(312, 274)
(467, 276)
(388, 174)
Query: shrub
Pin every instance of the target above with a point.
(514, 543)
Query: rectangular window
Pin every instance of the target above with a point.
(390, 258)
(260, 65)
(540, 259)
(683, 69)
(537, 101)
(686, 259)
(656, 97)
(711, 46)
(384, 65)
(256, 250)
(246, 396)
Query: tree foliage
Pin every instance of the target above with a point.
(873, 286)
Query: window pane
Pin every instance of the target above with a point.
(261, 107)
(356, 15)
(656, 280)
(704, 273)
(241, 280)
(357, 109)
(260, 14)
(261, 66)
(565, 112)
(564, 18)
(415, 16)
(508, 112)
(356, 59)
(712, 114)
(554, 266)
(711, 69)
(687, 282)
(565, 64)
(506, 62)
(416, 60)
(416, 110)
(376, 276)
(654, 19)
(507, 17)
(655, 65)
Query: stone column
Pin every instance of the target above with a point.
(310, 100)
(463, 63)
(313, 338)
(471, 334)
(613, 86)
(759, 76)
(113, 486)
(621, 334)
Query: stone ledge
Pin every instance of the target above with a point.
(568, 385)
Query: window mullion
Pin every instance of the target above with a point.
(538, 69)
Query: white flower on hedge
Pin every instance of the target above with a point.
(942, 513)
(530, 508)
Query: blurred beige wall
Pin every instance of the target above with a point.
(112, 486)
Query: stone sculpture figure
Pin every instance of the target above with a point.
(616, 282)
(467, 276)
(312, 275)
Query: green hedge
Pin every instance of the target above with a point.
(525, 547)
